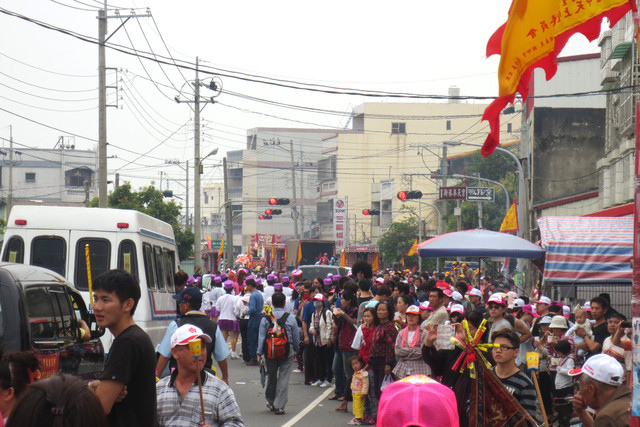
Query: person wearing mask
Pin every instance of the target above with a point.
(344, 329)
(322, 348)
(256, 303)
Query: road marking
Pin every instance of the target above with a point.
(309, 407)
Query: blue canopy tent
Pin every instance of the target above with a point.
(480, 243)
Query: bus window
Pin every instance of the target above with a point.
(149, 269)
(127, 258)
(167, 257)
(14, 252)
(49, 252)
(157, 254)
(41, 317)
(100, 259)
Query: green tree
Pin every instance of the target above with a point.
(398, 240)
(150, 201)
(497, 167)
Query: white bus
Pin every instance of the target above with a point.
(55, 237)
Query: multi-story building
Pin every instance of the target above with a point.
(53, 176)
(393, 147)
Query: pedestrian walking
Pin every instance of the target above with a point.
(256, 303)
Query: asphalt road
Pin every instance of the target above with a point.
(307, 405)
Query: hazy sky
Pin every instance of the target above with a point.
(408, 46)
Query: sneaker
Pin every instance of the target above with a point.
(325, 384)
(234, 355)
(297, 371)
(367, 420)
(355, 421)
(316, 383)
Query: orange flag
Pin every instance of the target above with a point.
(221, 250)
(375, 265)
(299, 254)
(402, 260)
(343, 259)
(533, 36)
(414, 248)
(510, 221)
(208, 240)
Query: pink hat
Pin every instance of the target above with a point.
(427, 403)
(448, 292)
(497, 298)
(528, 309)
(425, 306)
(475, 291)
(457, 308)
(319, 297)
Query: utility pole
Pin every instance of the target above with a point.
(102, 109)
(197, 224)
(102, 98)
(186, 221)
(295, 199)
(228, 250)
(10, 170)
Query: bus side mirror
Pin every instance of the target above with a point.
(96, 331)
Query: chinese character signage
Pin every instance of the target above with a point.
(481, 194)
(339, 223)
(453, 193)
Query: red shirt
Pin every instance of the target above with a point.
(367, 340)
(384, 342)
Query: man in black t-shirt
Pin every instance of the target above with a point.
(599, 308)
(129, 368)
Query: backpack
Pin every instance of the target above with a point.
(276, 345)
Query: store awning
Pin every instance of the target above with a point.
(587, 249)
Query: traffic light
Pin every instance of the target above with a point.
(264, 217)
(370, 212)
(273, 212)
(408, 195)
(275, 201)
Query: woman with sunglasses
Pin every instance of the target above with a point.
(499, 319)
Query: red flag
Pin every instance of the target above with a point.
(533, 36)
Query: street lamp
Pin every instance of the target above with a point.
(197, 222)
(520, 176)
(506, 203)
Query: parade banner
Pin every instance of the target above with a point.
(339, 223)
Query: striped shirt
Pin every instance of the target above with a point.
(220, 406)
(521, 387)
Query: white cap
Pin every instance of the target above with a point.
(544, 300)
(518, 302)
(603, 368)
(186, 333)
(457, 296)
(475, 291)
(457, 308)
(587, 306)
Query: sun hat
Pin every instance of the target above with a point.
(447, 292)
(518, 303)
(544, 300)
(475, 291)
(558, 322)
(497, 298)
(545, 320)
(457, 308)
(426, 402)
(319, 297)
(186, 333)
(413, 309)
(603, 368)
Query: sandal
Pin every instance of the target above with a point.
(341, 409)
(279, 412)
(334, 397)
(341, 399)
(270, 407)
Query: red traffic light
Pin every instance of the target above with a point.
(402, 195)
(408, 195)
(261, 217)
(268, 211)
(365, 212)
(273, 201)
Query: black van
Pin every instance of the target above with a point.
(39, 310)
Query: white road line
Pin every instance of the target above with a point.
(309, 407)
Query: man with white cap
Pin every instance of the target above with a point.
(475, 297)
(601, 388)
(178, 395)
(542, 308)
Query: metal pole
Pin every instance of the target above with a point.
(228, 250)
(10, 170)
(186, 224)
(295, 200)
(197, 238)
(420, 234)
(102, 110)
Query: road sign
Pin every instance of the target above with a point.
(481, 194)
(453, 193)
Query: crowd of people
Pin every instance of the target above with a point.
(362, 333)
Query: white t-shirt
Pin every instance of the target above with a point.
(225, 306)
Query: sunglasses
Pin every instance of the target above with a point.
(495, 306)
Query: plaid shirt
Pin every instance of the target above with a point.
(220, 406)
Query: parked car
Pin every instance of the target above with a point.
(310, 272)
(40, 310)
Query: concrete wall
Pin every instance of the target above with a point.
(568, 145)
